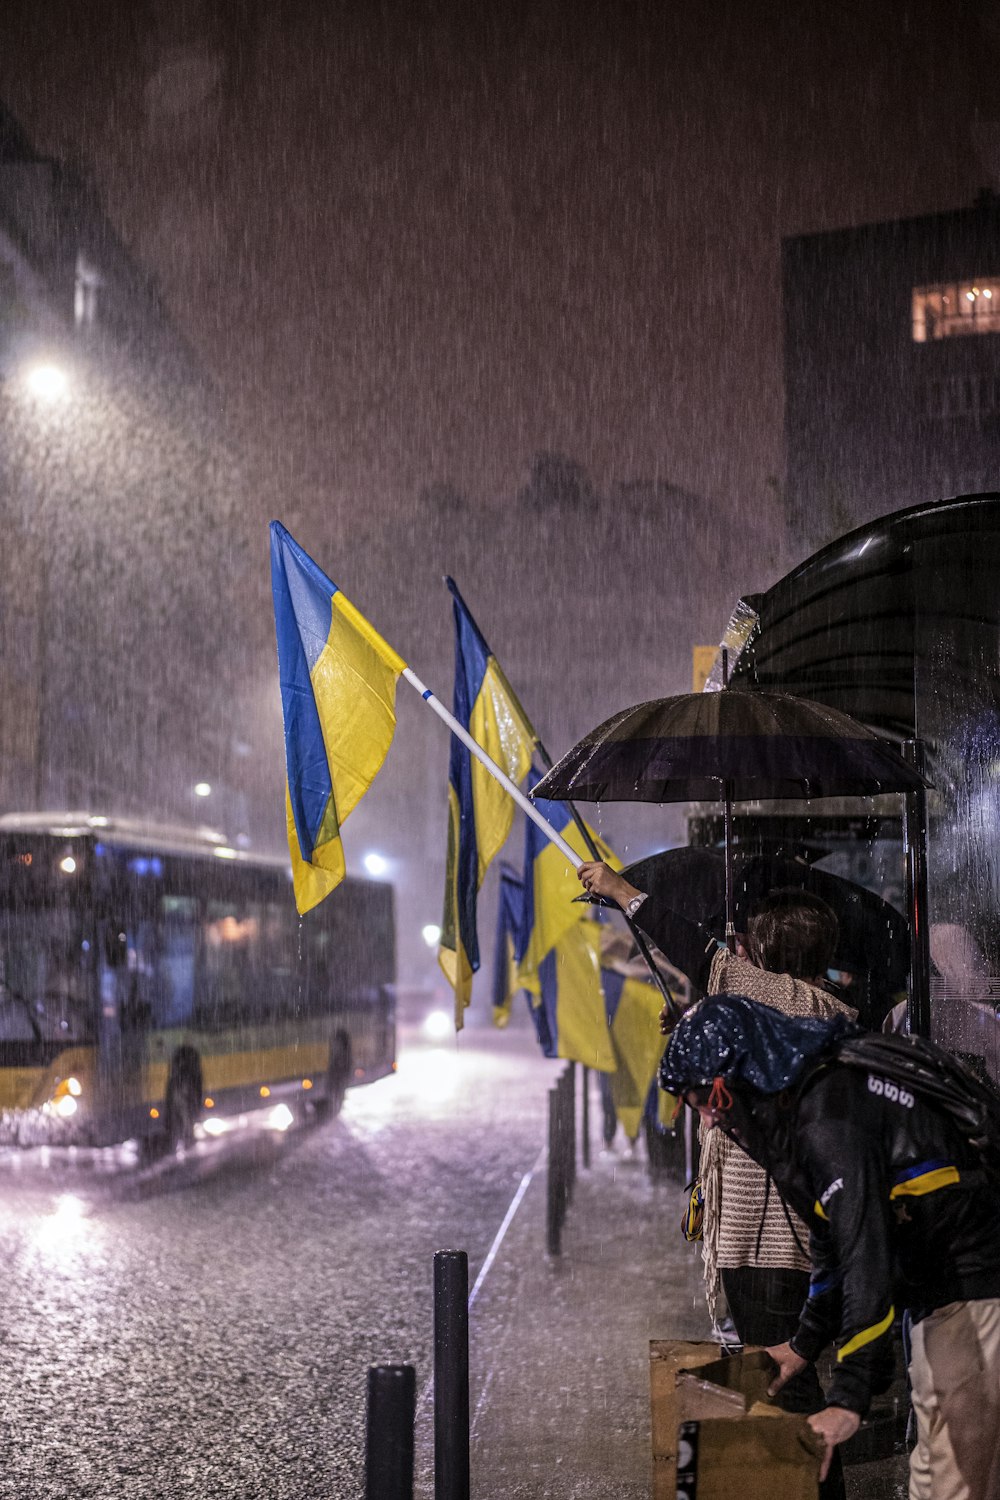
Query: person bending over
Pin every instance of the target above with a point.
(901, 1209)
(752, 1243)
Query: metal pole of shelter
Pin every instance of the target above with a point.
(727, 813)
(918, 1004)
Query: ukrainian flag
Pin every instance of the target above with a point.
(480, 813)
(632, 1007)
(569, 1014)
(338, 700)
(506, 982)
(550, 886)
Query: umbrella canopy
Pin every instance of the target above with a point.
(686, 911)
(738, 743)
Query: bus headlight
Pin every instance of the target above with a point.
(64, 1099)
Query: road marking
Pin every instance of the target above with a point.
(491, 1255)
(515, 1204)
(479, 1405)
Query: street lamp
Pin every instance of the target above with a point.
(202, 789)
(48, 382)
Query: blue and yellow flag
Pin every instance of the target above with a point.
(480, 813)
(569, 1013)
(338, 700)
(633, 1012)
(506, 982)
(550, 885)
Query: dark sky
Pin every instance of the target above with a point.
(421, 241)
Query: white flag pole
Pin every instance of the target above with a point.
(522, 801)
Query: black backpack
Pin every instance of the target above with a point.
(936, 1077)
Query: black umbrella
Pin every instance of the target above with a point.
(763, 745)
(685, 914)
(733, 745)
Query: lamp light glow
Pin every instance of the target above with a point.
(47, 382)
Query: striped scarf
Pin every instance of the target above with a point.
(746, 1222)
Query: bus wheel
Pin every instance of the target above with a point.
(337, 1077)
(183, 1105)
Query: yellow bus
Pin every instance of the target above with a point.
(152, 977)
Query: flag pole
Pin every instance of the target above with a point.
(509, 786)
(638, 936)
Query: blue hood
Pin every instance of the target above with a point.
(744, 1042)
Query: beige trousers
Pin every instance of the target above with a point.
(955, 1379)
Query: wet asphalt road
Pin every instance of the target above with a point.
(204, 1328)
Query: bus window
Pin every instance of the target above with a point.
(279, 954)
(45, 963)
(249, 972)
(178, 945)
(15, 1021)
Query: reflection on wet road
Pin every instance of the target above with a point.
(202, 1325)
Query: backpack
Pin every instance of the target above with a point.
(937, 1078)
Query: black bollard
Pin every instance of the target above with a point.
(451, 1375)
(392, 1394)
(571, 1126)
(585, 1117)
(553, 1201)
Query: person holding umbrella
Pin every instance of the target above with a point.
(753, 1245)
(898, 1187)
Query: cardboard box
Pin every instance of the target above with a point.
(716, 1434)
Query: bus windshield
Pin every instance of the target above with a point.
(46, 991)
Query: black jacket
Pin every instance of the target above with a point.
(898, 1206)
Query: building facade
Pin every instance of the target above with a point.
(120, 544)
(892, 367)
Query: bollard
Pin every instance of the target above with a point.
(585, 1118)
(389, 1448)
(553, 1220)
(571, 1126)
(562, 1156)
(451, 1375)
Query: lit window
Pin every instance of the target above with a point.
(955, 308)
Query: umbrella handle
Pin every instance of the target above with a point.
(729, 853)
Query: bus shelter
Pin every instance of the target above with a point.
(898, 624)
